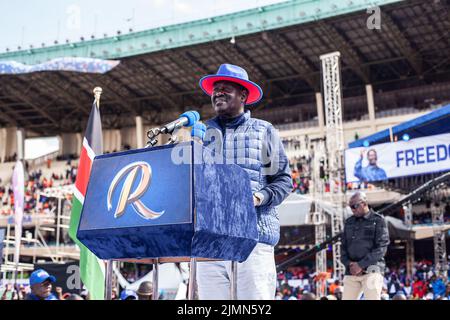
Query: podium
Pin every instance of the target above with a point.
(171, 203)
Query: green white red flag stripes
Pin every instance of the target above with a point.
(92, 269)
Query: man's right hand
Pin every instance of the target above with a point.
(363, 151)
(355, 269)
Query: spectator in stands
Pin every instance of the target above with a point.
(336, 284)
(407, 288)
(22, 292)
(128, 295)
(308, 296)
(74, 296)
(447, 291)
(364, 245)
(371, 172)
(438, 286)
(394, 286)
(418, 288)
(9, 289)
(271, 183)
(145, 291)
(384, 296)
(41, 286)
(399, 296)
(338, 293)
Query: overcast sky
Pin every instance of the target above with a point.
(25, 22)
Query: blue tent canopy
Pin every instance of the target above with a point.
(433, 123)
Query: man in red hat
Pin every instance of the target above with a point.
(254, 145)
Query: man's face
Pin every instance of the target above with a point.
(228, 99)
(358, 206)
(372, 157)
(42, 290)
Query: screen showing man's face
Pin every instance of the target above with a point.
(372, 157)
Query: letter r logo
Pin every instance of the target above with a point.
(127, 196)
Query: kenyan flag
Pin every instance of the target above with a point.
(92, 269)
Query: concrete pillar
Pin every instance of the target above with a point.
(118, 140)
(371, 106)
(60, 145)
(70, 143)
(128, 137)
(106, 141)
(79, 139)
(10, 141)
(320, 116)
(139, 132)
(20, 133)
(2, 144)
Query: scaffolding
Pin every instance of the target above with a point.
(331, 81)
(317, 216)
(60, 225)
(440, 250)
(407, 209)
(34, 244)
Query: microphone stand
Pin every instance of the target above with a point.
(152, 134)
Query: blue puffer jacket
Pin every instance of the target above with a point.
(244, 141)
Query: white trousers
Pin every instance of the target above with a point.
(370, 284)
(256, 277)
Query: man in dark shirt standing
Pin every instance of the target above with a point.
(364, 245)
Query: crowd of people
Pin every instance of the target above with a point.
(12, 158)
(299, 283)
(301, 174)
(40, 287)
(426, 217)
(35, 182)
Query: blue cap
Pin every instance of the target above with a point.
(39, 276)
(128, 293)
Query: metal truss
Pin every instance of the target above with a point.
(317, 215)
(440, 250)
(331, 78)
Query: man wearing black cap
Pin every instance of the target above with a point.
(41, 286)
(254, 145)
(364, 244)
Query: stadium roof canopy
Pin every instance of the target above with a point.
(435, 122)
(279, 45)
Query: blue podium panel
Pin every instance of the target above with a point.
(146, 203)
(226, 226)
(138, 204)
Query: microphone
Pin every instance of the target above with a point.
(198, 132)
(187, 119)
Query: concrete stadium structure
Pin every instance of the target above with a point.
(279, 45)
(390, 75)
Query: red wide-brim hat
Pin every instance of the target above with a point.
(236, 74)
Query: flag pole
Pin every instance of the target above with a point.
(109, 263)
(97, 93)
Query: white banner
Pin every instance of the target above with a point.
(397, 159)
(18, 182)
